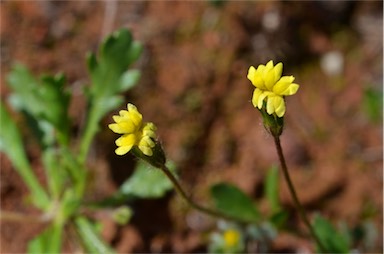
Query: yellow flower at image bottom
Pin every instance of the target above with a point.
(231, 238)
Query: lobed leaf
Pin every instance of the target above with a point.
(44, 101)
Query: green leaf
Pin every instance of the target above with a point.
(147, 182)
(332, 240)
(90, 238)
(279, 218)
(271, 188)
(116, 54)
(373, 104)
(44, 100)
(232, 201)
(11, 144)
(129, 79)
(47, 242)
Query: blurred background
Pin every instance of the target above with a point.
(194, 88)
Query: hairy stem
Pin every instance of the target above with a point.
(292, 190)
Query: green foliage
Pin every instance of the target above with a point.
(44, 100)
(373, 104)
(11, 144)
(147, 182)
(271, 188)
(332, 240)
(44, 103)
(89, 236)
(232, 201)
(47, 242)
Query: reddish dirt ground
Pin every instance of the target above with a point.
(194, 88)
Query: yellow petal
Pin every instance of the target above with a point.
(291, 90)
(126, 140)
(128, 127)
(149, 130)
(261, 99)
(270, 105)
(123, 113)
(131, 107)
(279, 105)
(122, 150)
(146, 150)
(278, 69)
(251, 73)
(117, 119)
(116, 128)
(269, 78)
(147, 141)
(255, 97)
(269, 65)
(282, 86)
(255, 77)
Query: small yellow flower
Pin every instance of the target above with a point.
(135, 132)
(231, 238)
(271, 86)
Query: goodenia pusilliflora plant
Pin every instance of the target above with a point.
(44, 103)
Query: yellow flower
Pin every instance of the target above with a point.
(271, 86)
(231, 238)
(135, 132)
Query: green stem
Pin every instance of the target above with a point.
(91, 129)
(198, 207)
(292, 190)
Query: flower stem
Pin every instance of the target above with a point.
(196, 206)
(292, 190)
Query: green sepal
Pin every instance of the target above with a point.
(272, 123)
(157, 159)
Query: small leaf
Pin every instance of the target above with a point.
(333, 241)
(47, 242)
(91, 240)
(116, 54)
(272, 188)
(279, 218)
(373, 104)
(11, 144)
(129, 79)
(147, 182)
(232, 201)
